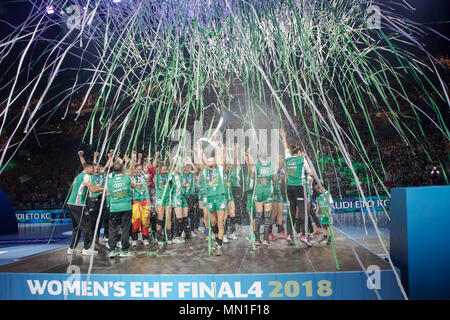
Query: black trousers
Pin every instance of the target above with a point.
(296, 199)
(239, 203)
(81, 223)
(105, 222)
(245, 217)
(314, 218)
(94, 211)
(193, 212)
(119, 220)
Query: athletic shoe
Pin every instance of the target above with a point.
(145, 242)
(218, 250)
(266, 243)
(105, 239)
(306, 240)
(272, 237)
(281, 235)
(289, 240)
(70, 251)
(207, 238)
(178, 241)
(134, 243)
(88, 252)
(232, 236)
(170, 241)
(107, 246)
(125, 254)
(324, 241)
(225, 239)
(258, 242)
(111, 255)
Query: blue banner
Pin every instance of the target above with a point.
(342, 285)
(43, 216)
(350, 205)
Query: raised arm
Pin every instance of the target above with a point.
(170, 161)
(198, 156)
(81, 157)
(236, 160)
(283, 137)
(225, 154)
(126, 162)
(155, 161)
(249, 160)
(133, 160)
(219, 150)
(189, 161)
(95, 157)
(117, 158)
(108, 162)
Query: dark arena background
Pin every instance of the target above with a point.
(224, 150)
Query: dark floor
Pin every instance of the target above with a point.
(192, 258)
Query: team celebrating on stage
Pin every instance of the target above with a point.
(165, 201)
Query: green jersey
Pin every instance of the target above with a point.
(202, 185)
(141, 192)
(108, 199)
(177, 189)
(98, 180)
(323, 201)
(79, 189)
(296, 169)
(214, 181)
(120, 189)
(264, 170)
(162, 185)
(188, 180)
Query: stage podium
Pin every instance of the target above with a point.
(420, 240)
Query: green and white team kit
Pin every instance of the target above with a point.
(98, 180)
(215, 189)
(323, 202)
(79, 189)
(178, 198)
(120, 189)
(163, 190)
(264, 171)
(296, 169)
(140, 192)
